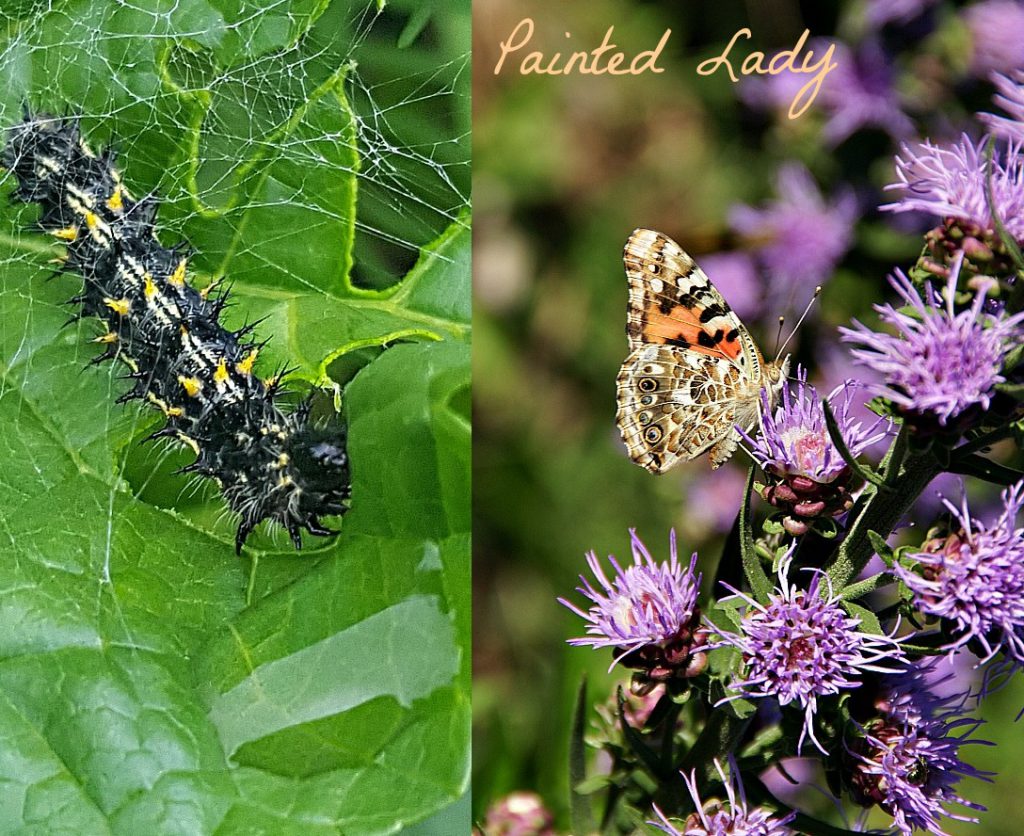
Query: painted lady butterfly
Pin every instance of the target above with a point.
(270, 463)
(694, 372)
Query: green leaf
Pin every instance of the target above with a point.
(1004, 235)
(582, 819)
(840, 443)
(868, 620)
(151, 681)
(752, 568)
(881, 548)
(982, 468)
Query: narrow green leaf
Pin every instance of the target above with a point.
(1008, 240)
(837, 439)
(760, 586)
(868, 620)
(881, 548)
(579, 803)
(982, 468)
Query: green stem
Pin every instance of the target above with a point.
(881, 514)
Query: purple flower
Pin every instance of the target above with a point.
(808, 478)
(794, 441)
(736, 277)
(649, 606)
(805, 234)
(718, 818)
(1011, 99)
(997, 32)
(802, 645)
(950, 182)
(908, 760)
(942, 362)
(974, 578)
(881, 12)
(859, 93)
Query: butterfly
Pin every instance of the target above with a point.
(694, 372)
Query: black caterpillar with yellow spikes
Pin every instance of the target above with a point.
(271, 464)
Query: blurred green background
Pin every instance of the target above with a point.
(565, 167)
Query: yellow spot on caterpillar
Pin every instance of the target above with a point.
(183, 331)
(221, 375)
(206, 291)
(177, 278)
(114, 202)
(169, 411)
(189, 442)
(284, 481)
(270, 382)
(118, 306)
(106, 339)
(193, 386)
(150, 289)
(131, 364)
(281, 463)
(245, 365)
(91, 220)
(69, 233)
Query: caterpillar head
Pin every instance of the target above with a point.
(318, 472)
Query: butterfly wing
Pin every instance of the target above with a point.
(673, 406)
(694, 371)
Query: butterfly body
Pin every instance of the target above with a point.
(694, 373)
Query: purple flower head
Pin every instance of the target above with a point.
(881, 12)
(733, 816)
(1011, 99)
(951, 182)
(997, 32)
(860, 94)
(805, 235)
(794, 441)
(802, 645)
(908, 760)
(942, 362)
(648, 605)
(974, 578)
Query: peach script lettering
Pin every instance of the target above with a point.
(598, 61)
(754, 64)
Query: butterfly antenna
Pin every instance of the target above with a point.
(778, 333)
(803, 316)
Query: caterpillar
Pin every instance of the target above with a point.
(270, 462)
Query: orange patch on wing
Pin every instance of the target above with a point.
(682, 324)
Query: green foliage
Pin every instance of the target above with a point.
(153, 682)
